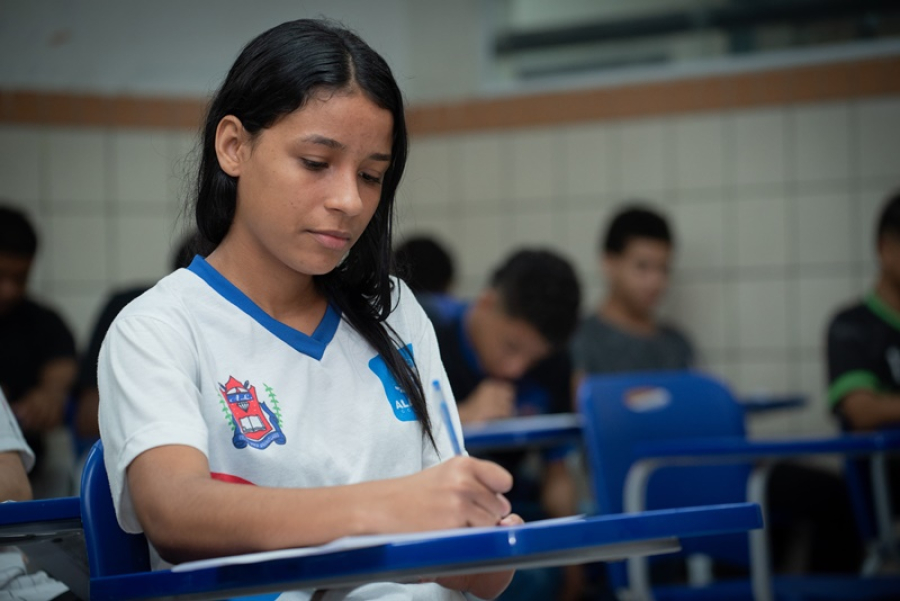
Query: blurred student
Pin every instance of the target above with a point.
(864, 341)
(16, 459)
(37, 350)
(624, 333)
(427, 268)
(864, 347)
(273, 394)
(505, 355)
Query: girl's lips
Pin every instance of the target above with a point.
(332, 240)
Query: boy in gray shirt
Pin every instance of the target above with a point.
(623, 334)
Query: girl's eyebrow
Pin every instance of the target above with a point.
(335, 145)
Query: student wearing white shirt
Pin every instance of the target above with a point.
(272, 395)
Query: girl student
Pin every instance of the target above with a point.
(271, 395)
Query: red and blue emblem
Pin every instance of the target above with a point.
(253, 422)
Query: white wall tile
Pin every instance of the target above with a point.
(79, 310)
(699, 155)
(643, 158)
(819, 299)
(182, 154)
(428, 176)
(815, 418)
(761, 237)
(588, 158)
(879, 137)
(822, 141)
(77, 248)
(698, 308)
(482, 173)
(483, 241)
(825, 229)
(141, 166)
(77, 165)
(699, 231)
(143, 248)
(759, 146)
(762, 314)
(21, 155)
(536, 163)
(762, 377)
(535, 229)
(580, 238)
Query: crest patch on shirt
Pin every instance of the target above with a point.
(396, 397)
(252, 421)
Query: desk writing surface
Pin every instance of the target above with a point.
(523, 432)
(601, 538)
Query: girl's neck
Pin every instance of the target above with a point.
(620, 315)
(286, 295)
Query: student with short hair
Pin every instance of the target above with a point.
(505, 355)
(37, 350)
(624, 333)
(273, 394)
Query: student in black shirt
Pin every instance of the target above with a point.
(37, 350)
(864, 341)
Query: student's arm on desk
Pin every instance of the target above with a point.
(187, 515)
(14, 484)
(491, 399)
(41, 408)
(870, 410)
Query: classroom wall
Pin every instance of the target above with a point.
(773, 209)
(772, 203)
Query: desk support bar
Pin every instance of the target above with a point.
(760, 562)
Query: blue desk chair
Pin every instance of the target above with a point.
(677, 439)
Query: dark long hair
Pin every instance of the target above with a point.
(275, 74)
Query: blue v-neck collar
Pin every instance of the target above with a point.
(313, 346)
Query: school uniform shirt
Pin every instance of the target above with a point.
(863, 350)
(196, 362)
(600, 347)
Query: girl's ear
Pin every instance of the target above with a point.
(231, 143)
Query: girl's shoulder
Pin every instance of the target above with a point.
(407, 314)
(168, 299)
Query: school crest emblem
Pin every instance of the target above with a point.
(254, 424)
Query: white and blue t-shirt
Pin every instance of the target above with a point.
(195, 362)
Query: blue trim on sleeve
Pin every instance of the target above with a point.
(313, 346)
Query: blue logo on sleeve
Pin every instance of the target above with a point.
(395, 395)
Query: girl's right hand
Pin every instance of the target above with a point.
(460, 492)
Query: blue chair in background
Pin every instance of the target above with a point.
(677, 439)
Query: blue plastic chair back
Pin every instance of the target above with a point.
(623, 411)
(111, 551)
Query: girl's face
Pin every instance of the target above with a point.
(308, 185)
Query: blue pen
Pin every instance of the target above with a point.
(448, 420)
